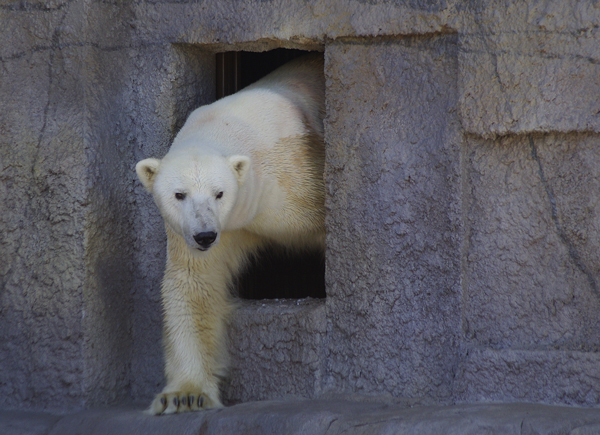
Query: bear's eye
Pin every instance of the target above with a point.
(219, 195)
(180, 196)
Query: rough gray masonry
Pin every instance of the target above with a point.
(462, 174)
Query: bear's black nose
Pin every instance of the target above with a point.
(205, 239)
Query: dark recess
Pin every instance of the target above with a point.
(238, 69)
(274, 273)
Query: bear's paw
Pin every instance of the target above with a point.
(176, 402)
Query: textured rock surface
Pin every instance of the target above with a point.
(537, 81)
(533, 263)
(77, 121)
(462, 174)
(286, 334)
(393, 216)
(319, 417)
(26, 422)
(43, 163)
(534, 375)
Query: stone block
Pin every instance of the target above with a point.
(276, 350)
(292, 25)
(495, 17)
(77, 118)
(393, 216)
(43, 162)
(559, 377)
(530, 82)
(532, 263)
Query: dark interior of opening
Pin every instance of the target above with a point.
(279, 275)
(238, 69)
(274, 273)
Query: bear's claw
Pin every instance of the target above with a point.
(179, 401)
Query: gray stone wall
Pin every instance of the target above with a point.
(393, 216)
(462, 207)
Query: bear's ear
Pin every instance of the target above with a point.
(146, 171)
(240, 166)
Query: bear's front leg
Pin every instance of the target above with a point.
(194, 335)
(196, 304)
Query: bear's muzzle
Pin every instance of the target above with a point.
(205, 239)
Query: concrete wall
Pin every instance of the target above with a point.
(462, 210)
(394, 230)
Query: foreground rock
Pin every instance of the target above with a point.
(317, 417)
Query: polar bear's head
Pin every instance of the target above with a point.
(195, 194)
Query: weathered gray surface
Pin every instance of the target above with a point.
(288, 333)
(318, 417)
(532, 248)
(42, 272)
(537, 79)
(462, 173)
(82, 252)
(26, 422)
(535, 375)
(393, 217)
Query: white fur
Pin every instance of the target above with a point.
(248, 170)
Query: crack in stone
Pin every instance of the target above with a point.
(573, 254)
(372, 423)
(54, 43)
(330, 424)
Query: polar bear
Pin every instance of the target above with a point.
(243, 172)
